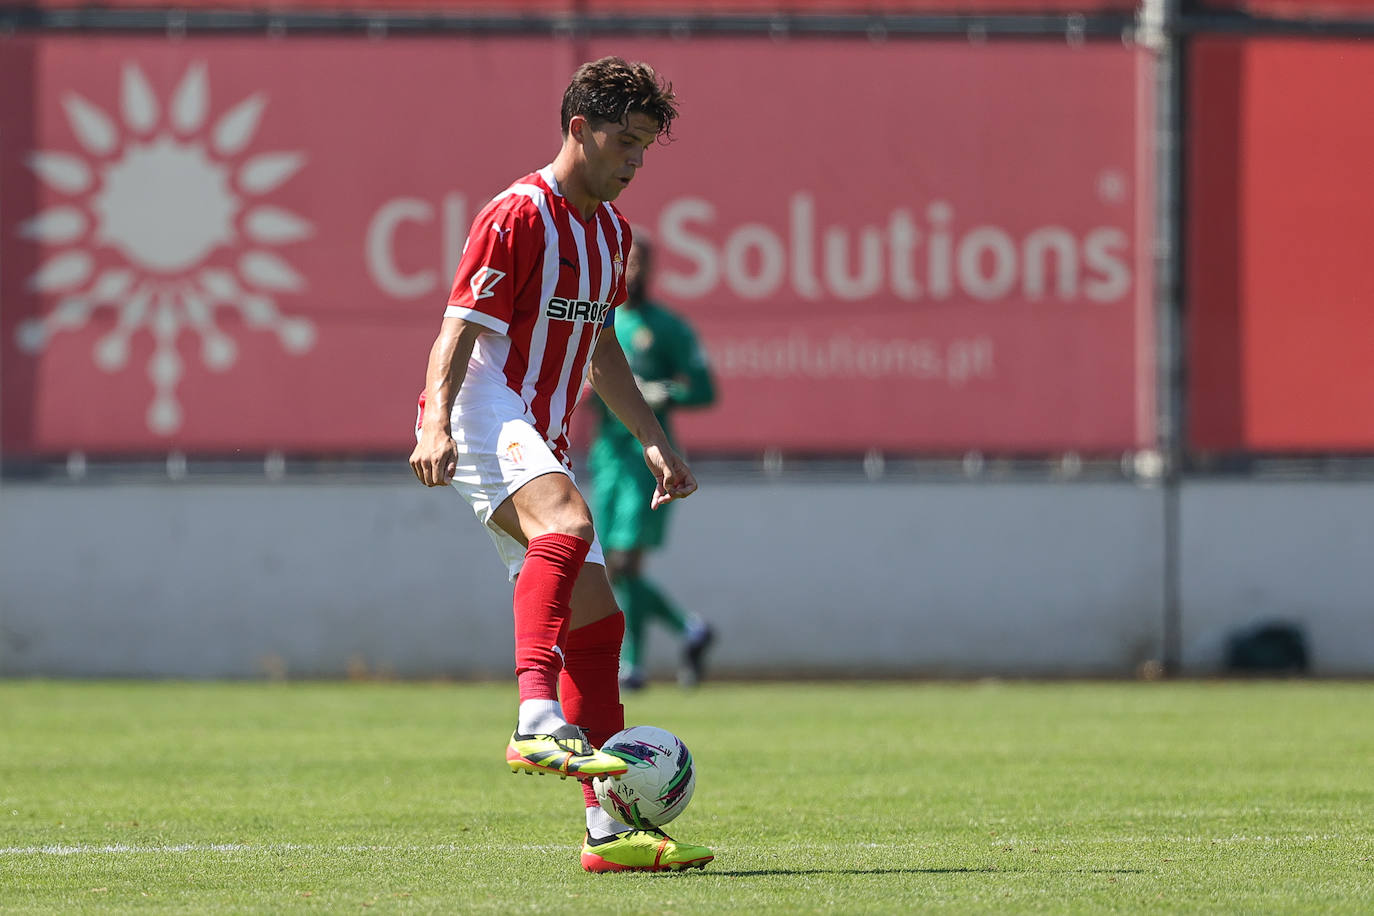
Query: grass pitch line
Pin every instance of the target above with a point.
(118, 849)
(1166, 839)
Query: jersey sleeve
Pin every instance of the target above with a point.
(497, 258)
(619, 291)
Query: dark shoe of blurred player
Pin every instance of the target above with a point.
(699, 637)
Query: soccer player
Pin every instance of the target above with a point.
(672, 373)
(524, 329)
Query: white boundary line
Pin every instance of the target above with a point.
(117, 849)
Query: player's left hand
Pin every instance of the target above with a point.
(674, 479)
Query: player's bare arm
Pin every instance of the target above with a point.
(613, 381)
(435, 457)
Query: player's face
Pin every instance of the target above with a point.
(615, 152)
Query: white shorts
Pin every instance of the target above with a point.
(497, 456)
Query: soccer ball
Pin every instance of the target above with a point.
(659, 782)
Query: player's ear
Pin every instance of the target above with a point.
(577, 126)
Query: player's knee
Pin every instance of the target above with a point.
(573, 524)
(552, 505)
(575, 517)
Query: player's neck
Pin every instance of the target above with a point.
(570, 185)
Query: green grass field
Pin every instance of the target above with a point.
(843, 798)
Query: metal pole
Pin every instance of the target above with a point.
(1160, 32)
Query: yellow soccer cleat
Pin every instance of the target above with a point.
(649, 849)
(566, 752)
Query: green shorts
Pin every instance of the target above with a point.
(621, 490)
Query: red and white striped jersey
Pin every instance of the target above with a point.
(544, 281)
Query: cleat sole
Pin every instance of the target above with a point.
(606, 868)
(530, 770)
(563, 765)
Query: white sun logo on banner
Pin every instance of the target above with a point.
(167, 192)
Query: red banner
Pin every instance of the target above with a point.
(240, 244)
(1281, 330)
(639, 7)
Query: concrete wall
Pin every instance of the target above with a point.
(320, 578)
(1299, 552)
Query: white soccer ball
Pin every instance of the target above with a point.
(659, 782)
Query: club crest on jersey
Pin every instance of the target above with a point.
(484, 281)
(617, 266)
(560, 309)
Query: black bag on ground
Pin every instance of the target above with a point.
(1269, 648)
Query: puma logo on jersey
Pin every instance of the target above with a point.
(560, 309)
(500, 233)
(566, 263)
(484, 281)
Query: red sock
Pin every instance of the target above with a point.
(543, 592)
(590, 683)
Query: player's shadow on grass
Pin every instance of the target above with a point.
(770, 872)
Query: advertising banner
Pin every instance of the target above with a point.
(225, 245)
(1281, 328)
(634, 7)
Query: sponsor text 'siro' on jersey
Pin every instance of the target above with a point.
(544, 281)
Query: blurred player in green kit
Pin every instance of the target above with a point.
(672, 372)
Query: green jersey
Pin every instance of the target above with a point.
(660, 347)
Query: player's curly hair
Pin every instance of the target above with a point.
(611, 88)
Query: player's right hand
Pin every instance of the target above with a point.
(435, 459)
